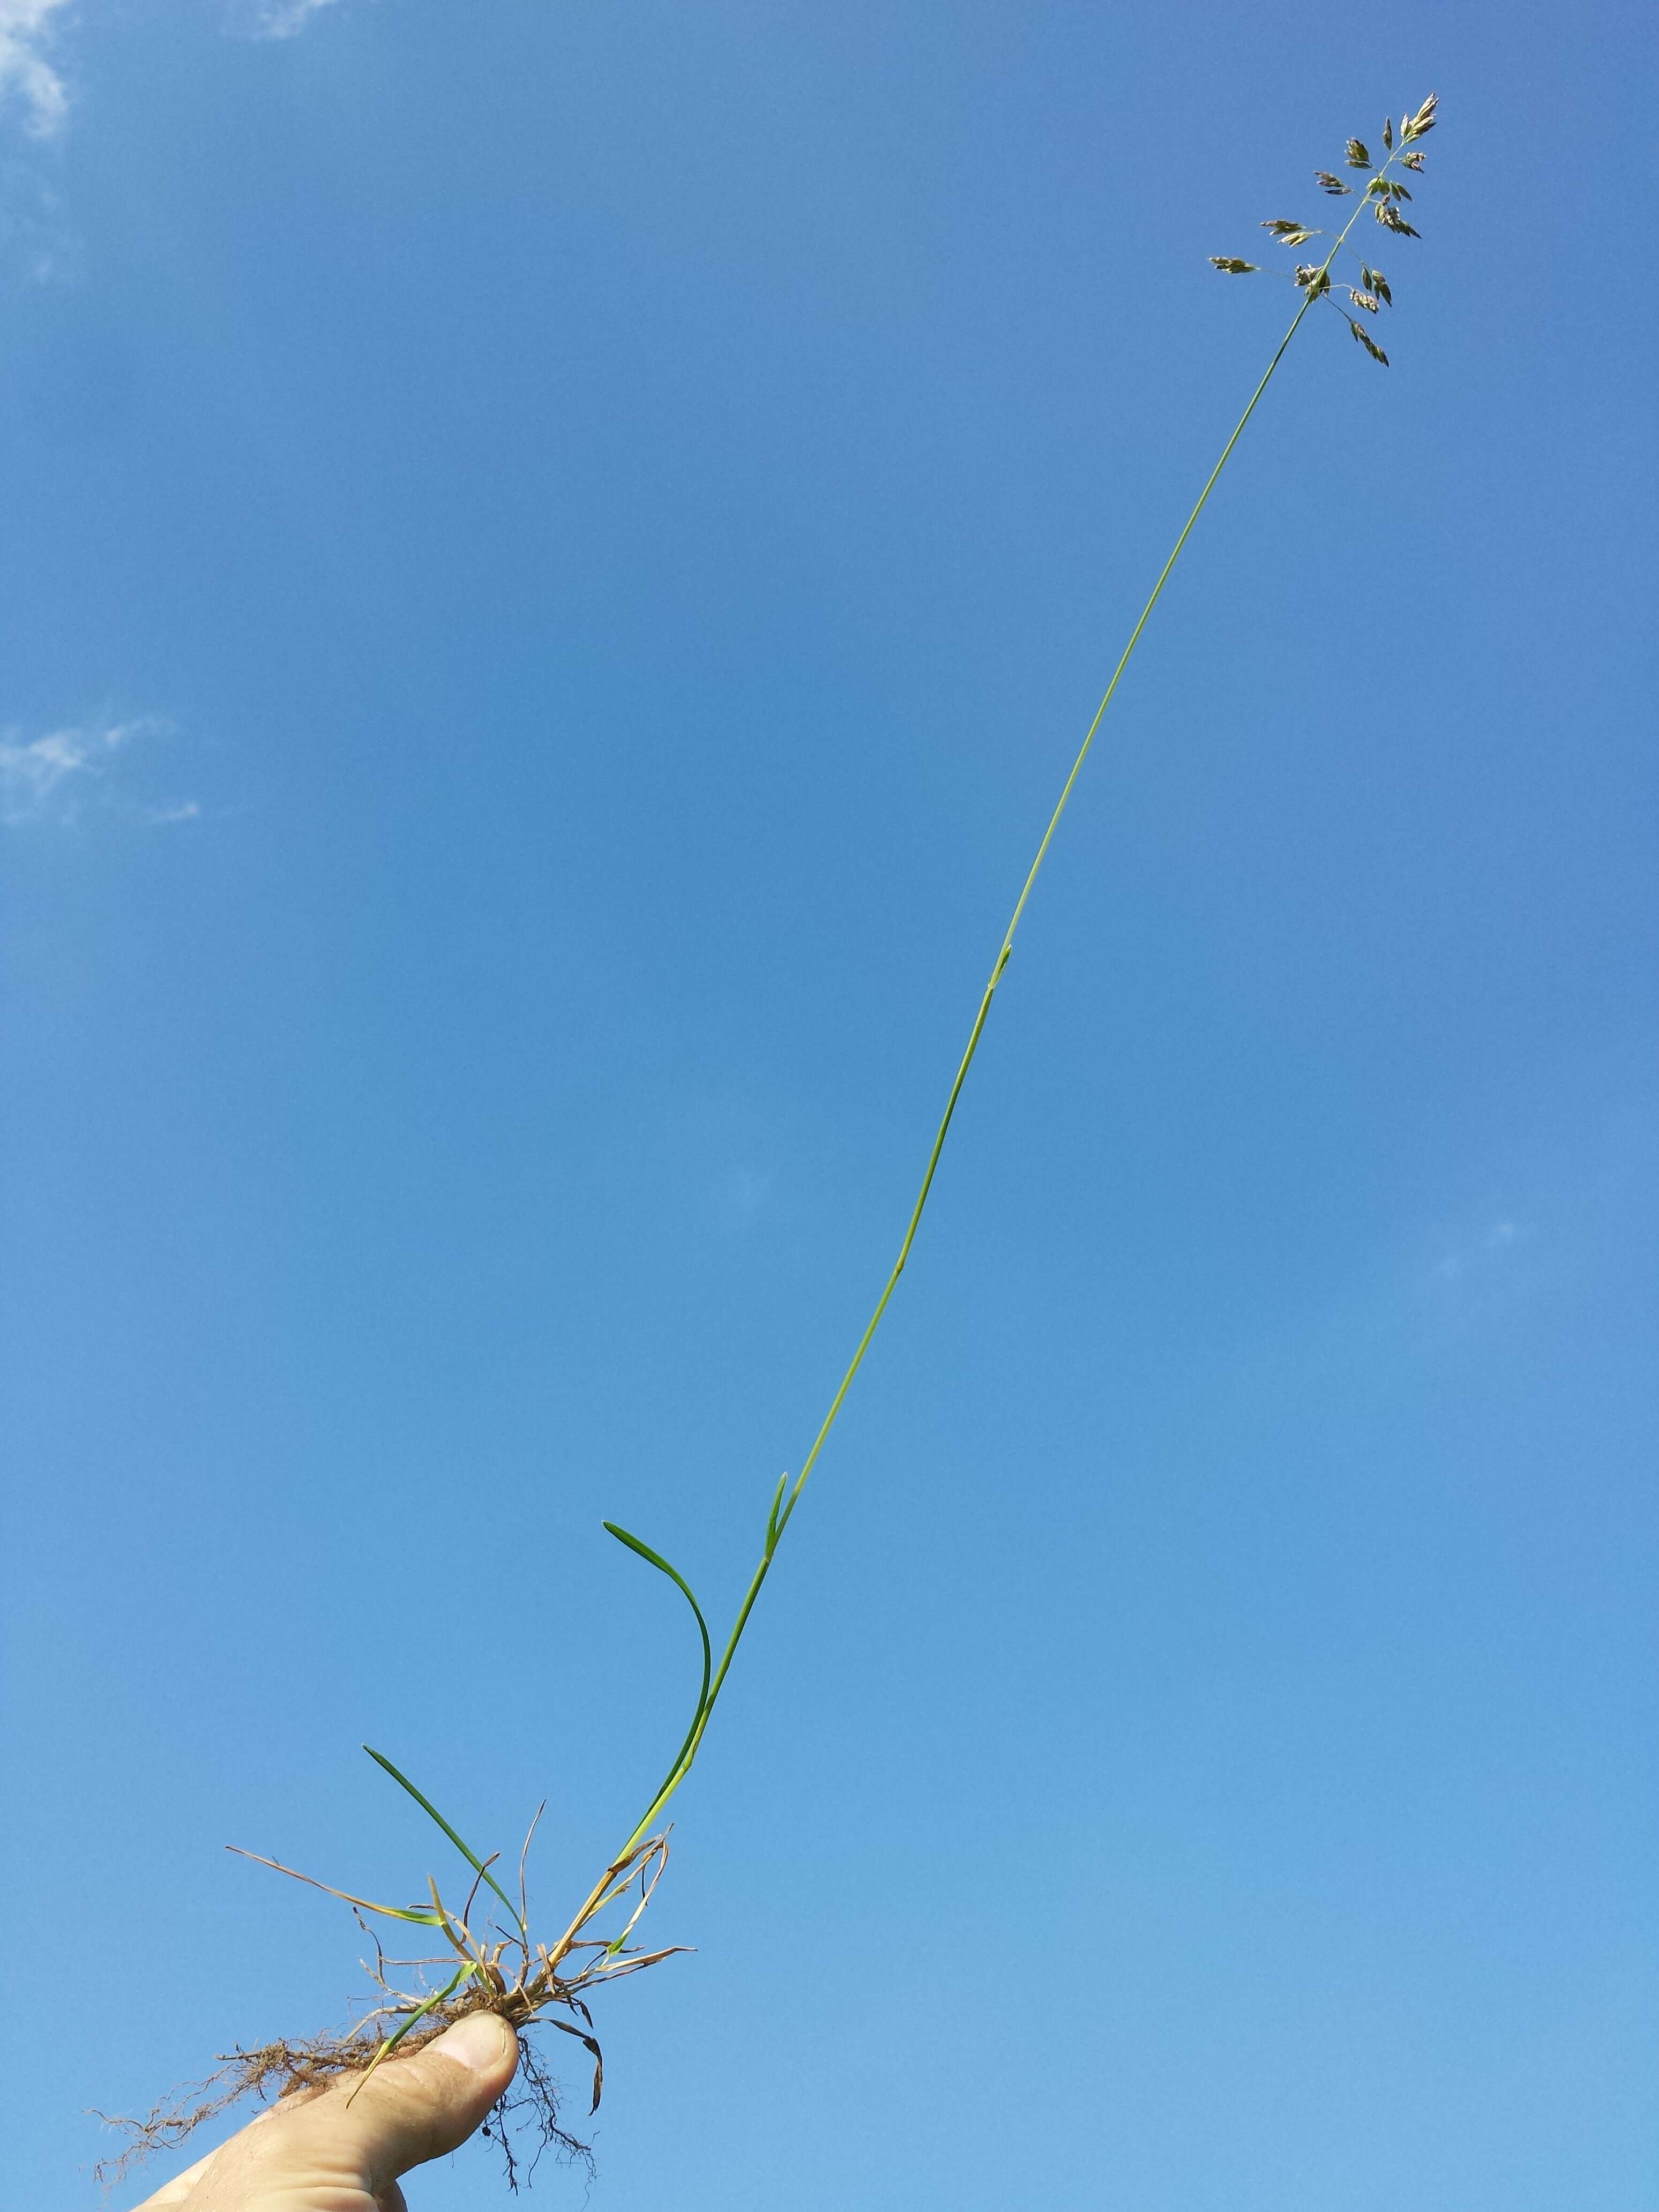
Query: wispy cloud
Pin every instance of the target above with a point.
(283, 19)
(26, 73)
(36, 240)
(57, 780)
(746, 1190)
(1471, 1254)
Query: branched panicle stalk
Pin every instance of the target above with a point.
(1382, 194)
(501, 1968)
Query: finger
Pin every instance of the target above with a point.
(413, 2108)
(176, 2190)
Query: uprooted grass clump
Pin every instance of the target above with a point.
(499, 1968)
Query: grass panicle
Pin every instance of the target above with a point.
(497, 1964)
(1384, 194)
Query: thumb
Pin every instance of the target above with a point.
(352, 2140)
(413, 2108)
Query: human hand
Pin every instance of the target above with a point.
(332, 2151)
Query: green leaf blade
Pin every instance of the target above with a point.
(432, 1813)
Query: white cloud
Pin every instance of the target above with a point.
(284, 19)
(26, 30)
(54, 780)
(747, 1189)
(36, 240)
(30, 774)
(1473, 1259)
(30, 77)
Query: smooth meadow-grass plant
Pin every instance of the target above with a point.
(480, 1960)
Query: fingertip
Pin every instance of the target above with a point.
(484, 2043)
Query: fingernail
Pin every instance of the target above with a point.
(479, 2042)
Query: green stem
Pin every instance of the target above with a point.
(779, 1521)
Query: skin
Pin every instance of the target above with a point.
(320, 2152)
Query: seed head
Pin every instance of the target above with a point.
(1386, 196)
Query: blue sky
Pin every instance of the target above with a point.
(554, 561)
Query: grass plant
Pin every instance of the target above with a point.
(495, 1964)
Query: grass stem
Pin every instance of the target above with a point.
(779, 1519)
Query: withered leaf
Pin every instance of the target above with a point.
(1231, 265)
(1359, 155)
